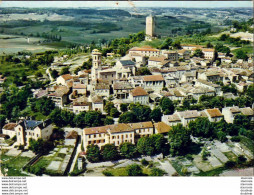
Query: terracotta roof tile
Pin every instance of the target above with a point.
(153, 78)
(10, 126)
(214, 112)
(139, 91)
(66, 77)
(162, 127)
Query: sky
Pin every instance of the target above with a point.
(126, 4)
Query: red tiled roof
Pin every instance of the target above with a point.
(66, 77)
(10, 126)
(139, 91)
(214, 112)
(153, 78)
(162, 127)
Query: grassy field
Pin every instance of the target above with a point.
(14, 164)
(16, 43)
(247, 49)
(123, 171)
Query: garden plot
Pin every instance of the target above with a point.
(218, 154)
(29, 154)
(223, 147)
(127, 163)
(101, 164)
(193, 169)
(168, 168)
(13, 152)
(214, 162)
(202, 165)
(54, 165)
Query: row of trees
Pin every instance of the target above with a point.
(140, 113)
(152, 145)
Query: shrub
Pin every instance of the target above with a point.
(134, 170)
(156, 172)
(235, 139)
(189, 157)
(230, 164)
(107, 173)
(241, 159)
(144, 162)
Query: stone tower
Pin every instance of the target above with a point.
(150, 26)
(96, 57)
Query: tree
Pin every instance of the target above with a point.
(159, 143)
(176, 44)
(2, 120)
(134, 170)
(167, 105)
(186, 104)
(156, 114)
(40, 146)
(108, 120)
(127, 117)
(114, 113)
(146, 146)
(109, 152)
(143, 71)
(124, 107)
(179, 139)
(242, 120)
(223, 37)
(209, 45)
(38, 74)
(240, 54)
(156, 172)
(128, 150)
(166, 43)
(79, 120)
(93, 153)
(221, 136)
(54, 74)
(142, 112)
(62, 118)
(44, 105)
(198, 53)
(65, 70)
(202, 127)
(109, 105)
(93, 119)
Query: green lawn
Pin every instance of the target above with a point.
(14, 164)
(246, 48)
(123, 171)
(231, 156)
(248, 143)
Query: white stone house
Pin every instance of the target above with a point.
(64, 79)
(145, 51)
(248, 111)
(153, 82)
(81, 107)
(230, 113)
(27, 129)
(187, 116)
(171, 120)
(214, 115)
(97, 103)
(139, 95)
(9, 129)
(102, 89)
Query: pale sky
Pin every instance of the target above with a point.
(126, 4)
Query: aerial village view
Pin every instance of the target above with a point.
(126, 91)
